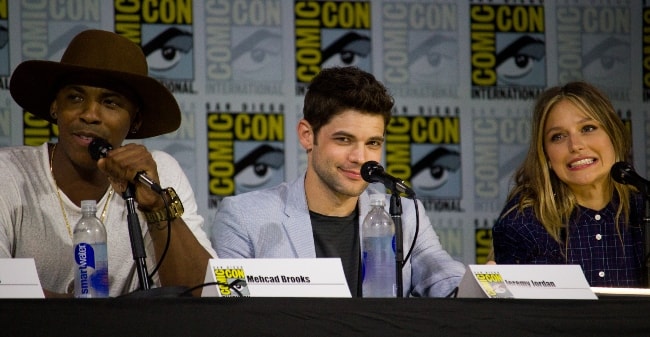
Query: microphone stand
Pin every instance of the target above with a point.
(140, 255)
(396, 215)
(135, 233)
(646, 231)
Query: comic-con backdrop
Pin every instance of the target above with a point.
(464, 75)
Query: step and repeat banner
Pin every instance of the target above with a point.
(464, 74)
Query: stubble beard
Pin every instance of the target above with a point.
(333, 181)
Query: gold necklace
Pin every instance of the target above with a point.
(58, 194)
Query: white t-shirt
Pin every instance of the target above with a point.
(32, 223)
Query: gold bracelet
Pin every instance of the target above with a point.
(175, 208)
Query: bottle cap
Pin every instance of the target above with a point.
(88, 205)
(377, 199)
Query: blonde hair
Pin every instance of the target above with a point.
(538, 187)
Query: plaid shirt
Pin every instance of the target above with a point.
(607, 258)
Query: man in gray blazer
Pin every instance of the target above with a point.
(346, 111)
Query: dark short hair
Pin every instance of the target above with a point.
(337, 89)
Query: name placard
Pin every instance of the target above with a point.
(322, 277)
(525, 281)
(19, 279)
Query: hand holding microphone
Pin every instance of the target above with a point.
(99, 148)
(372, 172)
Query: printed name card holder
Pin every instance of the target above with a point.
(525, 281)
(19, 279)
(321, 277)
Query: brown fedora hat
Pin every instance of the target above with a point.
(103, 59)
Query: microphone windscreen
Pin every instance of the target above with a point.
(98, 148)
(620, 172)
(368, 171)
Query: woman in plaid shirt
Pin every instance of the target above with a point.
(565, 208)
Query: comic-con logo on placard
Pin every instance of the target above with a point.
(245, 152)
(330, 33)
(243, 44)
(165, 34)
(231, 282)
(508, 51)
(425, 152)
(594, 44)
(420, 48)
(493, 284)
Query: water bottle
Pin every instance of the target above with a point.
(378, 250)
(90, 254)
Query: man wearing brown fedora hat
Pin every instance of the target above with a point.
(99, 90)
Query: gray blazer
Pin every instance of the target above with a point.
(275, 223)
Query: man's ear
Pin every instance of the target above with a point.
(305, 135)
(53, 110)
(136, 123)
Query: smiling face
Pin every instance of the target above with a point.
(84, 113)
(578, 148)
(337, 152)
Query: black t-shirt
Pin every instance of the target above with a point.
(339, 237)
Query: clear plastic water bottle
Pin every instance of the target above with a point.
(378, 247)
(90, 254)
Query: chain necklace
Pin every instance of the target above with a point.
(58, 194)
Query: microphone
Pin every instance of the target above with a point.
(623, 173)
(99, 148)
(372, 172)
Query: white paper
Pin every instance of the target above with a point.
(322, 277)
(525, 281)
(19, 279)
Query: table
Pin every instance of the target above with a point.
(619, 316)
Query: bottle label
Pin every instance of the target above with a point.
(92, 270)
(378, 267)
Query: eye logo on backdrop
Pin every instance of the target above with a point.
(164, 31)
(594, 45)
(328, 34)
(424, 150)
(257, 56)
(244, 47)
(508, 50)
(420, 48)
(168, 52)
(245, 149)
